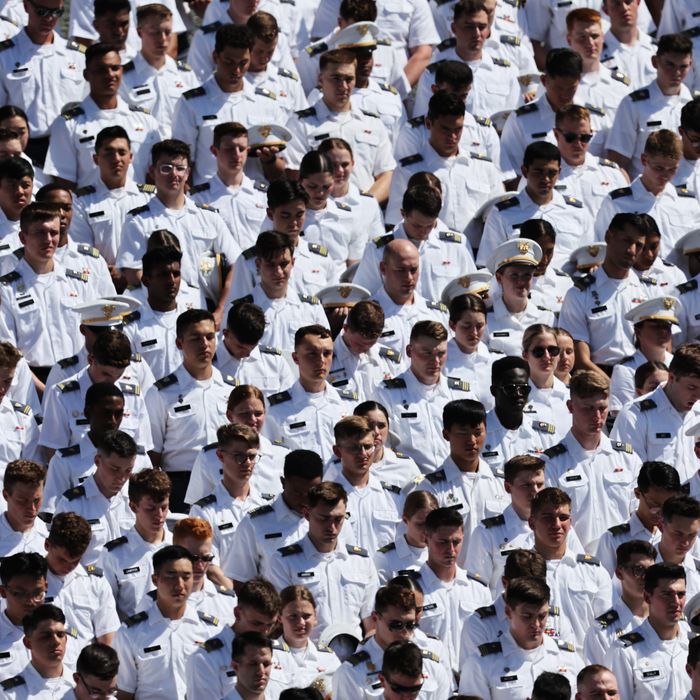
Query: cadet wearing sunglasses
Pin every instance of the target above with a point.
(402, 672)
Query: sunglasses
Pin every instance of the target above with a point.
(400, 625)
(637, 570)
(405, 689)
(570, 137)
(204, 558)
(551, 350)
(514, 390)
(47, 11)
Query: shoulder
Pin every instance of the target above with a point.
(555, 450)
(165, 382)
(357, 658)
(607, 618)
(621, 192)
(622, 446)
(7, 44)
(118, 542)
(10, 277)
(82, 191)
(381, 241)
(286, 73)
(136, 619)
(606, 163)
(410, 160)
(396, 383)
(278, 398)
(75, 492)
(69, 451)
(290, 549)
(306, 113)
(490, 648)
(621, 529)
(689, 286)
(318, 249)
(72, 112)
(588, 559)
(582, 283)
(211, 27)
(529, 108)
(487, 611)
(139, 210)
(683, 191)
(639, 95)
(631, 638)
(543, 427)
(573, 202)
(309, 299)
(451, 236)
(14, 682)
(387, 548)
(260, 510)
(508, 203)
(194, 92)
(436, 476)
(646, 405)
(206, 500)
(357, 551)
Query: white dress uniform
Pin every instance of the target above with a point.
(601, 92)
(314, 662)
(468, 182)
(99, 214)
(9, 243)
(152, 656)
(283, 83)
(313, 269)
(366, 134)
(393, 469)
(8, 26)
(199, 110)
(664, 274)
(398, 558)
(382, 99)
(12, 541)
(581, 588)
(549, 404)
(678, 16)
(365, 208)
(362, 373)
(689, 313)
(265, 368)
(649, 668)
(622, 389)
(358, 677)
(22, 387)
(613, 537)
(85, 258)
(29, 684)
(198, 228)
(594, 312)
(14, 656)
(185, 414)
(208, 470)
(570, 218)
(474, 368)
(65, 423)
(261, 532)
(475, 495)
(215, 601)
(640, 113)
(20, 433)
(632, 60)
(657, 431)
(607, 629)
(157, 89)
(242, 208)
(35, 312)
(503, 670)
(600, 482)
(688, 175)
(41, 79)
(675, 210)
(446, 604)
(343, 582)
(591, 181)
(504, 329)
(73, 134)
(415, 415)
(127, 564)
(304, 421)
(532, 437)
(223, 513)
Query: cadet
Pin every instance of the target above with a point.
(95, 673)
(325, 565)
(403, 670)
(594, 309)
(496, 537)
(23, 586)
(509, 432)
(251, 661)
(655, 106)
(73, 132)
(22, 490)
(691, 668)
(594, 679)
(648, 662)
(656, 483)
(539, 199)
(127, 560)
(650, 264)
(224, 97)
(242, 356)
(675, 209)
(394, 618)
(507, 668)
(656, 424)
(630, 608)
(152, 79)
(16, 184)
(153, 656)
(688, 173)
(35, 317)
(45, 635)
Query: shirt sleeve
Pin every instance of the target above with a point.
(622, 136)
(62, 157)
(298, 145)
(494, 234)
(240, 562)
(627, 429)
(132, 245)
(472, 679)
(106, 619)
(199, 56)
(619, 665)
(572, 316)
(158, 418)
(184, 125)
(55, 430)
(421, 28)
(539, 19)
(127, 676)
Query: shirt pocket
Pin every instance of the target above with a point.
(651, 677)
(353, 584)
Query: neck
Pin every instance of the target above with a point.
(277, 293)
(249, 694)
(361, 81)
(540, 198)
(400, 299)
(114, 182)
(41, 267)
(515, 306)
(236, 489)
(613, 271)
(591, 65)
(157, 60)
(444, 573)
(542, 381)
(587, 440)
(668, 90)
(359, 481)
(171, 612)
(669, 557)
(635, 603)
(548, 552)
(466, 464)
(323, 547)
(689, 153)
(105, 101)
(626, 35)
(464, 348)
(48, 670)
(522, 513)
(198, 585)
(669, 396)
(647, 521)
(378, 455)
(38, 37)
(654, 353)
(510, 421)
(340, 189)
(656, 190)
(286, 503)
(237, 17)
(149, 536)
(11, 214)
(168, 305)
(426, 381)
(172, 200)
(337, 108)
(200, 373)
(413, 542)
(313, 386)
(231, 179)
(14, 524)
(468, 55)
(665, 630)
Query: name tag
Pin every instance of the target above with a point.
(598, 309)
(95, 214)
(306, 574)
(386, 334)
(573, 477)
(430, 606)
(295, 426)
(179, 409)
(409, 415)
(147, 650)
(132, 570)
(490, 454)
(148, 343)
(25, 303)
(226, 526)
(508, 679)
(501, 334)
(651, 674)
(273, 535)
(664, 436)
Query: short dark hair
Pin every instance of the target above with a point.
(541, 150)
(98, 660)
(694, 652)
(261, 596)
(328, 493)
(404, 658)
(644, 371)
(453, 73)
(101, 390)
(685, 362)
(674, 43)
(550, 496)
(117, 442)
(190, 318)
(337, 57)
(657, 572)
(233, 129)
(112, 348)
(157, 257)
(690, 115)
(620, 221)
(271, 243)
(627, 550)
(314, 329)
(38, 213)
(154, 483)
(170, 148)
(314, 163)
(658, 474)
(424, 199)
(304, 464)
(247, 322)
(235, 36)
(71, 532)
(466, 302)
(171, 552)
(527, 589)
(242, 641)
(97, 51)
(591, 670)
(443, 517)
(463, 412)
(23, 471)
(506, 364)
(32, 620)
(106, 7)
(309, 693)
(522, 463)
(524, 562)
(551, 686)
(681, 506)
(445, 104)
(15, 168)
(394, 597)
(110, 133)
(536, 230)
(366, 317)
(282, 192)
(30, 564)
(563, 63)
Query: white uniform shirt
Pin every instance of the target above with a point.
(607, 628)
(393, 469)
(87, 259)
(12, 541)
(398, 558)
(365, 207)
(549, 404)
(613, 537)
(20, 433)
(265, 368)
(215, 601)
(633, 60)
(314, 662)
(677, 16)
(664, 276)
(505, 329)
(474, 368)
(14, 656)
(622, 389)
(30, 685)
(283, 83)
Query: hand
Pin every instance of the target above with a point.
(199, 6)
(218, 317)
(268, 154)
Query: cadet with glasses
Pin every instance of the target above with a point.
(96, 674)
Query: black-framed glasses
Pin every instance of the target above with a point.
(570, 137)
(96, 692)
(405, 689)
(551, 350)
(47, 11)
(637, 570)
(401, 625)
(204, 558)
(513, 390)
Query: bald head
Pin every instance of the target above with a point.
(595, 682)
(400, 249)
(400, 268)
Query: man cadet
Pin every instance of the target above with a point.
(341, 577)
(73, 132)
(127, 560)
(152, 79)
(394, 617)
(468, 179)
(303, 415)
(225, 97)
(539, 199)
(403, 669)
(509, 432)
(189, 405)
(649, 661)
(41, 72)
(656, 106)
(509, 666)
(334, 115)
(688, 173)
(45, 676)
(95, 673)
(16, 185)
(656, 424)
(692, 668)
(629, 608)
(251, 661)
(37, 295)
(594, 308)
(154, 644)
(198, 228)
(596, 473)
(675, 209)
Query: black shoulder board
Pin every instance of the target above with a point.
(308, 112)
(15, 681)
(573, 202)
(490, 648)
(639, 95)
(309, 299)
(343, 206)
(231, 381)
(510, 39)
(211, 498)
(211, 446)
(507, 203)
(584, 282)
(74, 274)
(494, 521)
(144, 187)
(622, 446)
(118, 542)
(588, 559)
(437, 305)
(620, 77)
(226, 591)
(130, 318)
(135, 108)
(458, 384)
(396, 383)
(286, 73)
(94, 570)
(354, 549)
(64, 387)
(683, 191)
(369, 114)
(7, 44)
(447, 44)
(67, 362)
(477, 577)
(208, 29)
(621, 192)
(290, 549)
(565, 646)
(647, 405)
(357, 658)
(410, 160)
(316, 49)
(136, 619)
(127, 67)
(480, 156)
(249, 253)
(631, 638)
(88, 250)
(261, 186)
(450, 236)
(483, 121)
(543, 427)
(503, 62)
(281, 397)
(82, 191)
(209, 619)
(529, 108)
(595, 110)
(75, 492)
(10, 277)
(184, 66)
(390, 354)
(76, 46)
(555, 450)
(318, 249)
(260, 510)
(387, 548)
(391, 487)
(381, 241)
(388, 88)
(488, 611)
(430, 655)
(436, 476)
(206, 207)
(72, 113)
(203, 187)
(348, 394)
(415, 122)
(265, 93)
(138, 210)
(194, 92)
(70, 451)
(621, 529)
(166, 381)
(689, 286)
(270, 350)
(607, 618)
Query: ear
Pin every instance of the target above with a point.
(27, 642)
(531, 523)
(655, 61)
(133, 506)
(409, 350)
(336, 451)
(305, 512)
(524, 171)
(508, 611)
(618, 573)
(154, 580)
(178, 343)
(152, 173)
(94, 158)
(295, 358)
(569, 404)
(446, 434)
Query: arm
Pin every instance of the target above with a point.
(419, 59)
(381, 186)
(623, 161)
(221, 306)
(583, 357)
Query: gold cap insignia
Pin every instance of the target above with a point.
(464, 282)
(265, 131)
(668, 303)
(345, 292)
(108, 310)
(362, 29)
(523, 248)
(593, 250)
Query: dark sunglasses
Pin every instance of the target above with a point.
(514, 390)
(204, 558)
(405, 689)
(400, 625)
(47, 11)
(539, 351)
(570, 138)
(637, 570)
